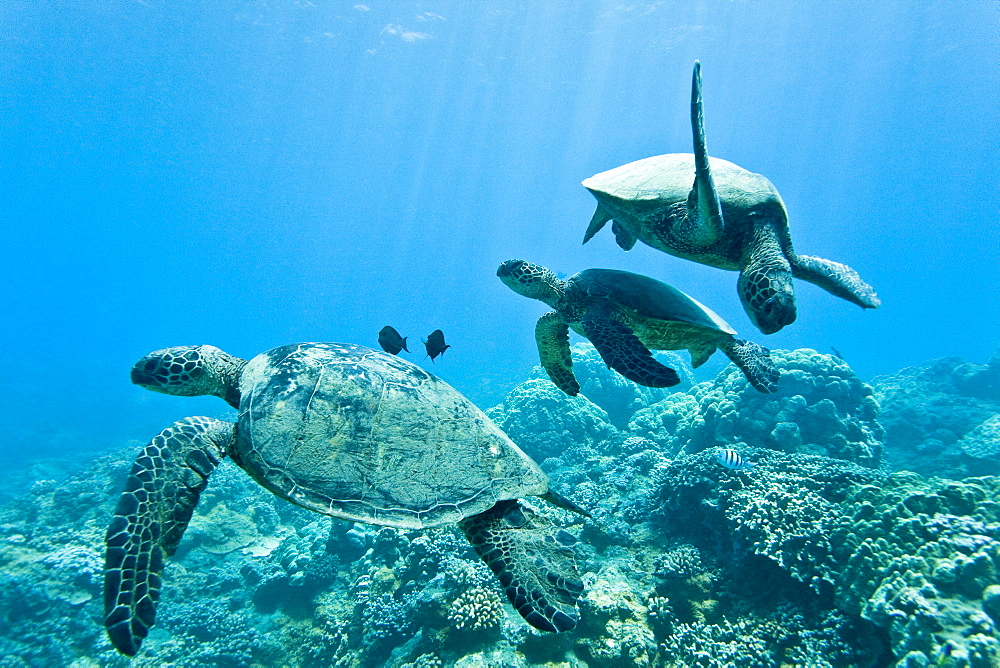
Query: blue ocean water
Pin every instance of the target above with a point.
(250, 174)
(254, 173)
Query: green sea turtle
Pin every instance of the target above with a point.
(716, 213)
(625, 315)
(346, 431)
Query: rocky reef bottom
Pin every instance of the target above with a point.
(819, 555)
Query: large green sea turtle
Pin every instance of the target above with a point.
(716, 213)
(346, 431)
(625, 315)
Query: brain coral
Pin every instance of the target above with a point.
(545, 422)
(983, 441)
(821, 407)
(927, 410)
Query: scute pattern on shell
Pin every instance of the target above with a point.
(363, 435)
(647, 297)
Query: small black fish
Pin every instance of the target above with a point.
(836, 353)
(391, 341)
(435, 344)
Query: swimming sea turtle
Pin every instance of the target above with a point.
(624, 315)
(716, 213)
(345, 431)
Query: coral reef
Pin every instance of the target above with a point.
(915, 557)
(821, 407)
(928, 410)
(764, 641)
(545, 422)
(619, 397)
(983, 442)
(814, 557)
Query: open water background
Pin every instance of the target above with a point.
(250, 174)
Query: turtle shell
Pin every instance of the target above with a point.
(662, 180)
(366, 436)
(646, 296)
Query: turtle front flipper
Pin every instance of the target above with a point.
(533, 561)
(152, 513)
(754, 360)
(704, 224)
(622, 350)
(837, 279)
(552, 338)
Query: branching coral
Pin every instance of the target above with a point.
(477, 608)
(682, 561)
(781, 638)
(913, 556)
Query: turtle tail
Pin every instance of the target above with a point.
(754, 360)
(532, 559)
(837, 279)
(152, 513)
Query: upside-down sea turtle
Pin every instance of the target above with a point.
(716, 213)
(625, 315)
(346, 431)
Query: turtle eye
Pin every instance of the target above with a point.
(515, 517)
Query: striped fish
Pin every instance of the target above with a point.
(732, 460)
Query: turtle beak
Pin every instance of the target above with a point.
(143, 373)
(775, 313)
(507, 268)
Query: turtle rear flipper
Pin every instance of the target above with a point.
(601, 217)
(837, 279)
(622, 350)
(754, 360)
(533, 561)
(704, 224)
(154, 509)
(625, 239)
(701, 352)
(552, 338)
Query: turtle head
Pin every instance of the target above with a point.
(191, 371)
(768, 296)
(532, 280)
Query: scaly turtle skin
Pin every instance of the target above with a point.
(716, 213)
(349, 432)
(625, 315)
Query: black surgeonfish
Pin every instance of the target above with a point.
(391, 341)
(435, 344)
